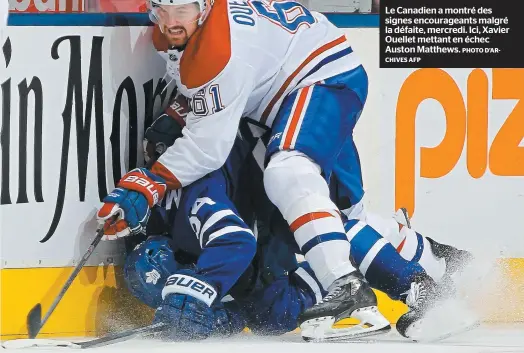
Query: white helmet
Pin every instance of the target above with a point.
(154, 5)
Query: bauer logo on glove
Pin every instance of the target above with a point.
(126, 209)
(183, 284)
(147, 185)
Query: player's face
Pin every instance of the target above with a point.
(178, 22)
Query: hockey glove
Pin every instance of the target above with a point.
(187, 307)
(230, 319)
(130, 203)
(166, 128)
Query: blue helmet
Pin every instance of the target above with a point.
(147, 268)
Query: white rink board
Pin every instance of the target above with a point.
(484, 215)
(127, 60)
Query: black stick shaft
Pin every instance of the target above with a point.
(71, 278)
(121, 336)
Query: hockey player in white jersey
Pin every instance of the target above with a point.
(294, 72)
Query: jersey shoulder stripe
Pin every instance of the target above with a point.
(318, 52)
(209, 50)
(159, 42)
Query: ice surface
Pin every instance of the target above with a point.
(484, 339)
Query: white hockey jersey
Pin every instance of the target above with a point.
(242, 62)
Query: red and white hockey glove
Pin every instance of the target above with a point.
(131, 202)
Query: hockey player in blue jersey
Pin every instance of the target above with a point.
(204, 249)
(213, 249)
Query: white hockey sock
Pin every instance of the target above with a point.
(414, 247)
(294, 184)
(409, 244)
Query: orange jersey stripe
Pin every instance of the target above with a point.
(286, 84)
(301, 105)
(308, 217)
(401, 245)
(209, 49)
(171, 180)
(159, 41)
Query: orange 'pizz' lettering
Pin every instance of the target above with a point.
(506, 158)
(437, 161)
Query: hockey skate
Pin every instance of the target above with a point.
(422, 296)
(430, 304)
(348, 297)
(456, 259)
(434, 313)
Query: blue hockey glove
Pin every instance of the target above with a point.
(131, 202)
(230, 319)
(187, 308)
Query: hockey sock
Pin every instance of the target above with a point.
(411, 245)
(294, 184)
(379, 261)
(416, 248)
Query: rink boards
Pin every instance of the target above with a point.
(458, 164)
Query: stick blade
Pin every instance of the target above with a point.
(34, 321)
(38, 343)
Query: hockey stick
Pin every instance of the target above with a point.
(34, 317)
(34, 321)
(406, 215)
(97, 342)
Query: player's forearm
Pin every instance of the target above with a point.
(203, 148)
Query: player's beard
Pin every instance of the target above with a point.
(176, 36)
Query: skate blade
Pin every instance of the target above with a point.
(446, 320)
(371, 322)
(38, 343)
